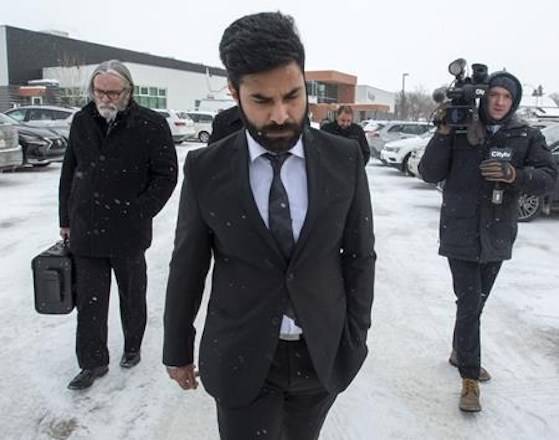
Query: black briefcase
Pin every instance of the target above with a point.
(53, 280)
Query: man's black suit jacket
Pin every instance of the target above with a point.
(329, 277)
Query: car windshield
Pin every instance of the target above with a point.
(5, 119)
(551, 134)
(428, 133)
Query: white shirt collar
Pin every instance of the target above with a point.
(255, 150)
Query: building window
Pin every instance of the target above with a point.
(73, 96)
(149, 96)
(327, 93)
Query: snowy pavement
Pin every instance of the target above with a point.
(406, 389)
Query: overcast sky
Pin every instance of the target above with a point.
(375, 40)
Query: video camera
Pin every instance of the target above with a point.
(462, 96)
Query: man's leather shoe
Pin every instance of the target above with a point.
(130, 359)
(469, 397)
(86, 377)
(484, 375)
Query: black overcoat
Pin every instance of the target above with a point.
(471, 226)
(115, 179)
(355, 132)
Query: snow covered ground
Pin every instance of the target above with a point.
(406, 389)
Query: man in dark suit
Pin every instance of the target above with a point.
(225, 123)
(119, 170)
(285, 211)
(344, 126)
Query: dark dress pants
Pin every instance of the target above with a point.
(292, 404)
(472, 284)
(93, 285)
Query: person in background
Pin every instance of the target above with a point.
(344, 126)
(225, 123)
(119, 170)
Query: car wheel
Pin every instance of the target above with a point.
(405, 167)
(204, 137)
(529, 207)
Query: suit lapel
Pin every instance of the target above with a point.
(240, 173)
(313, 167)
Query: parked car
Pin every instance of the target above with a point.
(182, 128)
(40, 146)
(385, 132)
(413, 161)
(202, 124)
(531, 206)
(397, 153)
(54, 118)
(11, 155)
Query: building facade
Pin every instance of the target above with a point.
(45, 68)
(328, 89)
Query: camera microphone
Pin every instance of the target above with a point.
(439, 95)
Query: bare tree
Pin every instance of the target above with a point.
(419, 104)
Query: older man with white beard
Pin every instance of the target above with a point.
(119, 170)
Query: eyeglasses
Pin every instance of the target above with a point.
(111, 94)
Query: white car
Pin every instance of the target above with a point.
(202, 124)
(52, 117)
(182, 128)
(391, 131)
(397, 153)
(413, 162)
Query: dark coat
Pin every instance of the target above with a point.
(355, 132)
(225, 123)
(472, 227)
(114, 181)
(329, 277)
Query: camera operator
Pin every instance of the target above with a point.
(485, 166)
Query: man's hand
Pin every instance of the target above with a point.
(65, 233)
(439, 117)
(497, 171)
(184, 376)
(443, 129)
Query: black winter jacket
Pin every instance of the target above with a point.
(354, 132)
(115, 179)
(471, 226)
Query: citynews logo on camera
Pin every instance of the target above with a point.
(459, 103)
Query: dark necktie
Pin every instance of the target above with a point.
(279, 216)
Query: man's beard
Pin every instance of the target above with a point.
(274, 144)
(109, 111)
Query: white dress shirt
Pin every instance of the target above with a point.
(294, 178)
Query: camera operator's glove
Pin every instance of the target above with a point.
(497, 171)
(439, 118)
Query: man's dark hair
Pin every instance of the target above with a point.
(344, 109)
(259, 43)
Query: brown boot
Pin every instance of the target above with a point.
(484, 375)
(469, 398)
